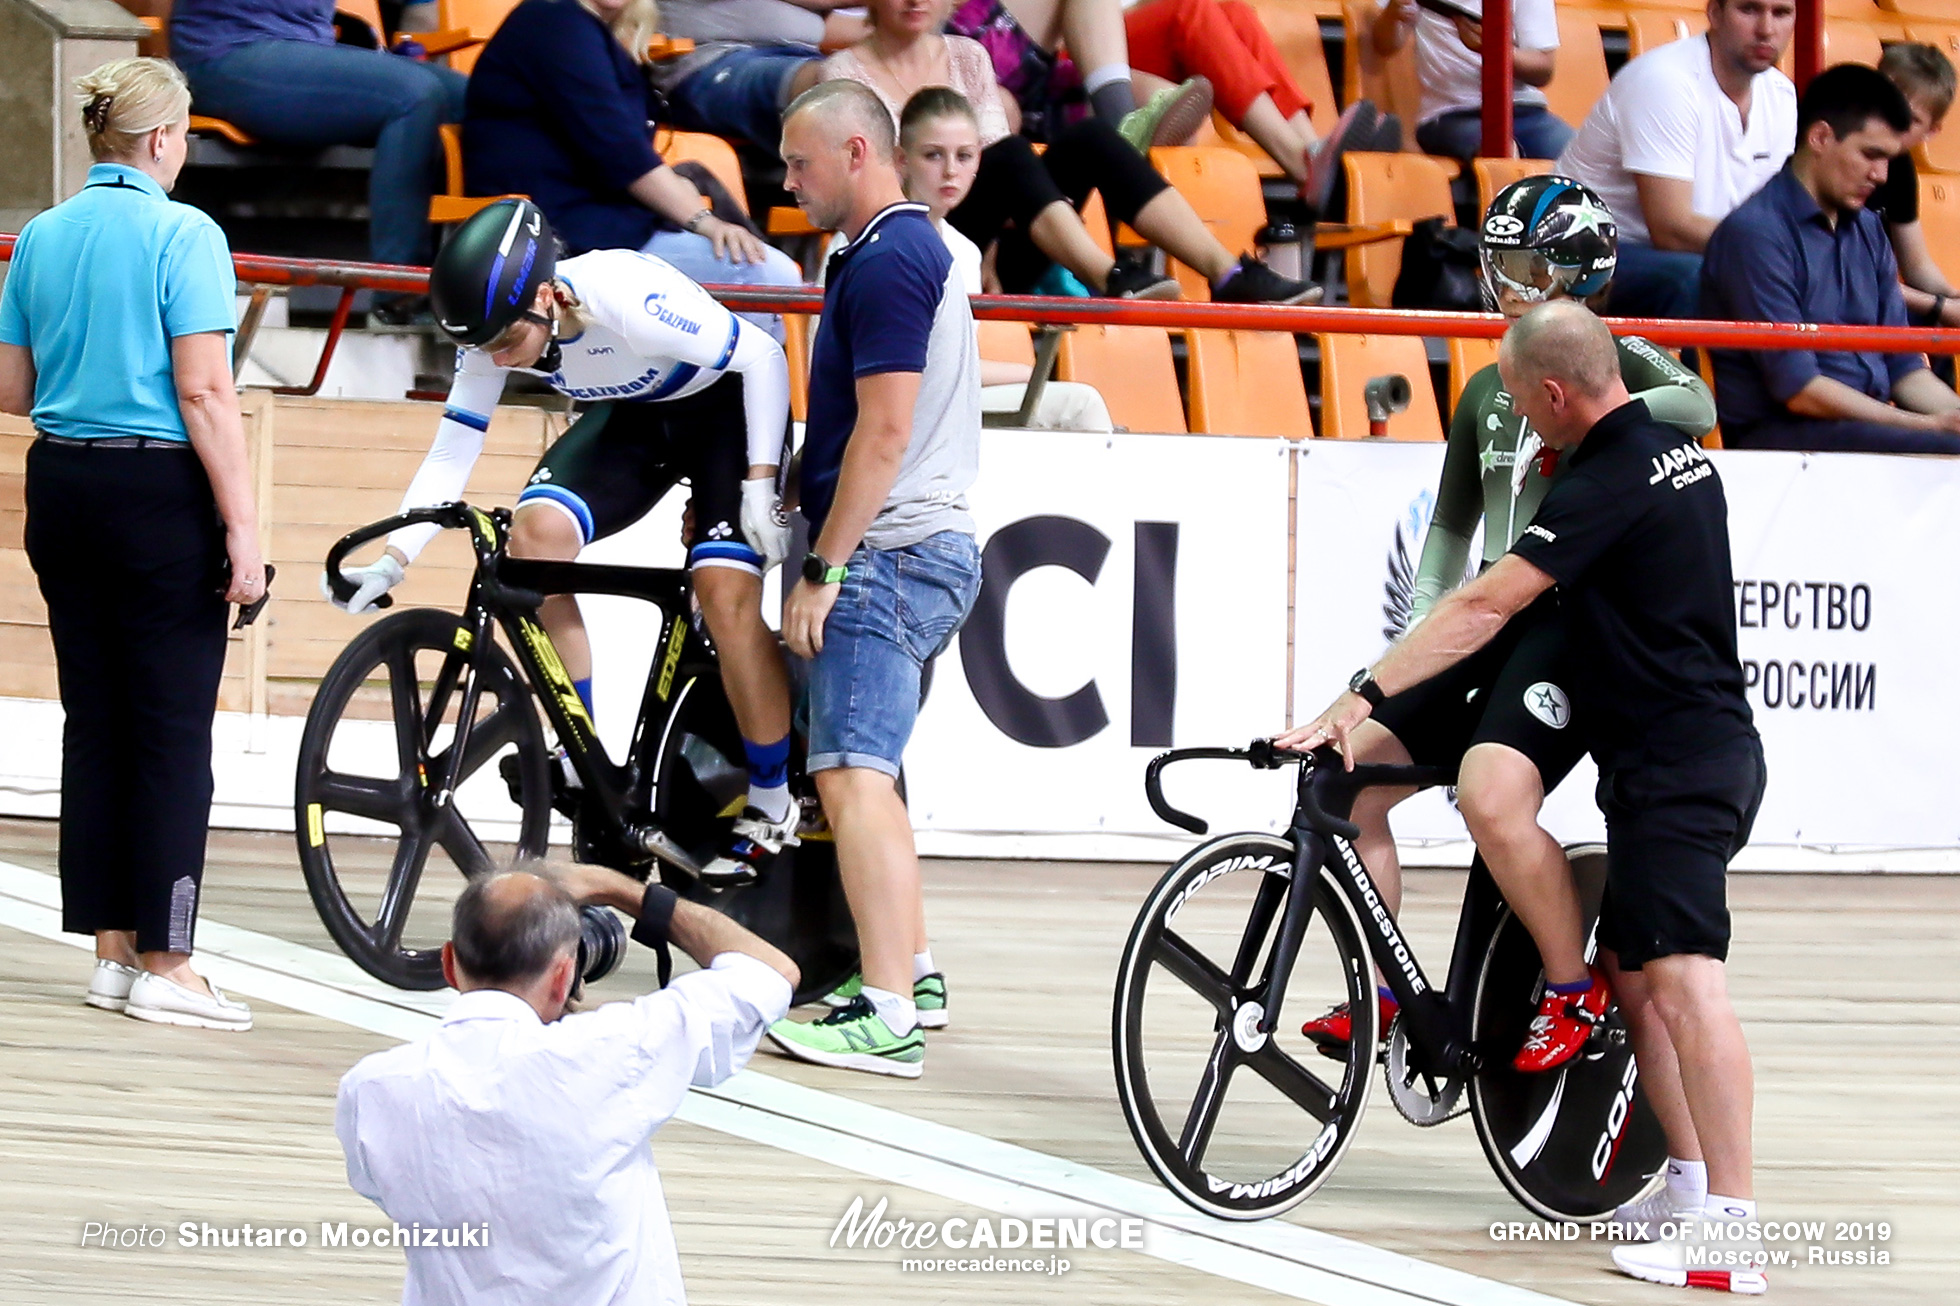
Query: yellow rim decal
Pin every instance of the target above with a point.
(316, 833)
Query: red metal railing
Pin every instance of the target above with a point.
(261, 270)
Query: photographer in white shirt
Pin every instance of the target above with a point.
(519, 1117)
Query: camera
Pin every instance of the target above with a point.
(601, 943)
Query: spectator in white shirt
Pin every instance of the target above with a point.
(1449, 65)
(515, 1115)
(1684, 134)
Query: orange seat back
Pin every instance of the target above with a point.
(1493, 175)
(1223, 187)
(1649, 29)
(1005, 342)
(1246, 383)
(480, 18)
(1390, 81)
(711, 152)
(1579, 73)
(1382, 187)
(1131, 366)
(1348, 363)
(1939, 219)
(1469, 355)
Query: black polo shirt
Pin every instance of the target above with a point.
(1635, 530)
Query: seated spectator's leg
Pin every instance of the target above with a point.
(1014, 187)
(1539, 132)
(1091, 156)
(1457, 135)
(296, 93)
(743, 93)
(1093, 32)
(1653, 282)
(695, 257)
(1175, 39)
(1840, 436)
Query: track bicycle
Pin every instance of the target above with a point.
(465, 711)
(1250, 932)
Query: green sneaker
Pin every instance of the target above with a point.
(928, 995)
(853, 1037)
(1168, 117)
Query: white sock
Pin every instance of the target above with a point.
(1728, 1208)
(1687, 1184)
(922, 965)
(773, 802)
(899, 1014)
(1097, 78)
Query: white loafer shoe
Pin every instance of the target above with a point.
(108, 987)
(166, 1002)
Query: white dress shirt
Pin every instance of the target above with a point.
(542, 1132)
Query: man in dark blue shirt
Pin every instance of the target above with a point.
(1804, 249)
(891, 445)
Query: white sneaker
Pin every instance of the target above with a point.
(756, 839)
(1649, 1213)
(108, 987)
(1723, 1264)
(166, 1002)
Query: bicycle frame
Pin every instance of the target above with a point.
(1438, 1022)
(616, 807)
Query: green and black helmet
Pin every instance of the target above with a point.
(1547, 236)
(487, 275)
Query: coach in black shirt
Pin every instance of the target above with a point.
(1634, 533)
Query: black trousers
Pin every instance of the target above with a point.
(128, 548)
(1014, 184)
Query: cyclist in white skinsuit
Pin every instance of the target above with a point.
(678, 387)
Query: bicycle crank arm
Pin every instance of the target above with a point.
(656, 843)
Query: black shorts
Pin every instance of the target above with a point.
(619, 459)
(1671, 832)
(1512, 691)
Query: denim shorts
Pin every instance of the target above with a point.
(896, 610)
(741, 93)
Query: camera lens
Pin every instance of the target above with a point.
(601, 943)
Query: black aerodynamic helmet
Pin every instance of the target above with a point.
(488, 274)
(1546, 235)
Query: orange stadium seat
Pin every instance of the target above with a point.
(466, 25)
(1493, 175)
(1579, 73)
(1649, 28)
(1940, 153)
(1390, 82)
(1295, 29)
(1382, 187)
(454, 204)
(1939, 218)
(1468, 356)
(712, 152)
(1223, 186)
(1005, 342)
(1246, 383)
(1940, 11)
(1348, 363)
(1849, 41)
(1132, 367)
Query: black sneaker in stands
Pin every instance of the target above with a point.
(1255, 283)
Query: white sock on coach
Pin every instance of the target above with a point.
(1687, 1184)
(900, 1015)
(922, 965)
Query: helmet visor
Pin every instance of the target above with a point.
(1525, 275)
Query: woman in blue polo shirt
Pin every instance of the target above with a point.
(115, 327)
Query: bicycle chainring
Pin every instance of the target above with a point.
(1423, 1101)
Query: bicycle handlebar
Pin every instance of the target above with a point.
(1262, 755)
(449, 516)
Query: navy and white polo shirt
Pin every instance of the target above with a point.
(894, 302)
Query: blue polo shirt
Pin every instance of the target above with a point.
(99, 287)
(1777, 258)
(894, 302)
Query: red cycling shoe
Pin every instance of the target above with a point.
(1563, 1024)
(1333, 1032)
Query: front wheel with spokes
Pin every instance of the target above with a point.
(377, 743)
(1240, 1121)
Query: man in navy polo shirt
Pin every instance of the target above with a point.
(890, 447)
(1805, 249)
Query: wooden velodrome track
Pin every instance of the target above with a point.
(1841, 982)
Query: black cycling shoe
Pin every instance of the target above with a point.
(1255, 283)
(1129, 280)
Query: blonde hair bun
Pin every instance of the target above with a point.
(127, 99)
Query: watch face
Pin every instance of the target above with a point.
(1360, 679)
(814, 568)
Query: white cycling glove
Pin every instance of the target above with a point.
(764, 523)
(370, 582)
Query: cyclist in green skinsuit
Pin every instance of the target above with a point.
(1502, 718)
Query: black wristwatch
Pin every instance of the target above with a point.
(1364, 685)
(818, 571)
